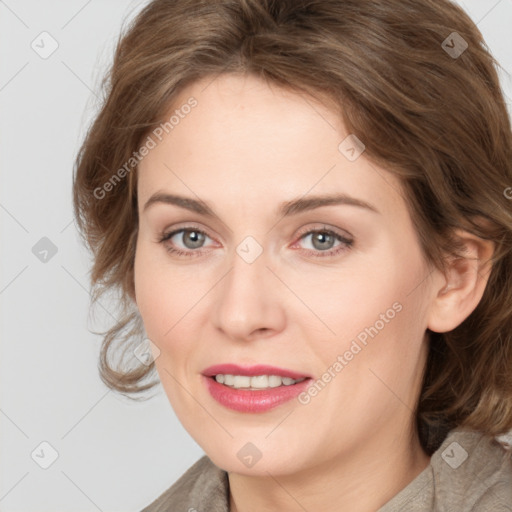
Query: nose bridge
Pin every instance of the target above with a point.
(246, 300)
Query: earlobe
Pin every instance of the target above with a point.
(464, 284)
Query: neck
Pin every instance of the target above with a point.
(355, 483)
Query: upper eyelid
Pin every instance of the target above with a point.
(173, 231)
(344, 233)
(322, 227)
(336, 231)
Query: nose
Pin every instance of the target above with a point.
(248, 302)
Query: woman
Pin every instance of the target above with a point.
(236, 140)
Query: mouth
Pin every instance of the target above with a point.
(253, 389)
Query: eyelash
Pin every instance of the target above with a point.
(346, 243)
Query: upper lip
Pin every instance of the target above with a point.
(259, 369)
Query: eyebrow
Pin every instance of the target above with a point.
(285, 209)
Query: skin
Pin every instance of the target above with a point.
(245, 148)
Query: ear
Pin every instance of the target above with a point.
(463, 285)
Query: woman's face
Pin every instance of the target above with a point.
(336, 293)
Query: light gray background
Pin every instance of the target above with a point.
(114, 454)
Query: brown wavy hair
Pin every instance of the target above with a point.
(436, 119)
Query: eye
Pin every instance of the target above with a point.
(192, 238)
(323, 240)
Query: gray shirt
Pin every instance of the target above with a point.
(469, 472)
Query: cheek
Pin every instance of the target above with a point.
(167, 296)
(156, 300)
(349, 302)
(382, 343)
(375, 313)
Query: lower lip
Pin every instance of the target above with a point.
(244, 400)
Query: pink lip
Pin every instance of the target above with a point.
(257, 401)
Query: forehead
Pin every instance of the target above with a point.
(246, 140)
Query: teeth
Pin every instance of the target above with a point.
(256, 382)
